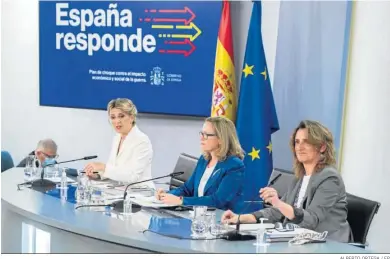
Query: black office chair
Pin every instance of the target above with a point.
(283, 182)
(185, 163)
(360, 215)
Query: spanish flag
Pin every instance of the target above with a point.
(224, 99)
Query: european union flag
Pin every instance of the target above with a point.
(256, 114)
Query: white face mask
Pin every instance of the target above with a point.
(49, 161)
(308, 237)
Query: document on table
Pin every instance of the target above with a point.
(253, 227)
(112, 194)
(273, 233)
(151, 201)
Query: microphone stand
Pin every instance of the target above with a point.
(235, 235)
(119, 204)
(45, 183)
(41, 182)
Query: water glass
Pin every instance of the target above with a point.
(215, 227)
(52, 171)
(200, 211)
(212, 222)
(82, 195)
(29, 169)
(199, 226)
(97, 196)
(127, 207)
(219, 229)
(36, 173)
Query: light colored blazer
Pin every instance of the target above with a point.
(324, 206)
(134, 160)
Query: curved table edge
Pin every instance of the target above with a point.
(137, 244)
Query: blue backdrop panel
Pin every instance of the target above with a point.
(159, 54)
(310, 68)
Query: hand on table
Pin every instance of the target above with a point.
(170, 199)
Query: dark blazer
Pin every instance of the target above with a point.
(324, 207)
(24, 161)
(222, 190)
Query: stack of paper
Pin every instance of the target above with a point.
(151, 201)
(252, 227)
(273, 235)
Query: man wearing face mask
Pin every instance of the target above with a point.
(45, 153)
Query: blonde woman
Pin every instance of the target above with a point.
(316, 199)
(217, 180)
(131, 152)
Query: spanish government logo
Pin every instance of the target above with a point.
(157, 76)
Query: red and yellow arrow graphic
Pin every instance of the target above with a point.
(170, 17)
(186, 53)
(192, 37)
(174, 11)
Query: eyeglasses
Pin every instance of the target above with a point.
(49, 156)
(206, 135)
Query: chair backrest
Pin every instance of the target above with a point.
(360, 215)
(283, 182)
(6, 161)
(185, 163)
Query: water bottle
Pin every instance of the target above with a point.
(81, 195)
(261, 235)
(64, 186)
(215, 228)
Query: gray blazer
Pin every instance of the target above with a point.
(324, 206)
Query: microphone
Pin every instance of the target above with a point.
(47, 183)
(119, 204)
(235, 235)
(274, 180)
(73, 160)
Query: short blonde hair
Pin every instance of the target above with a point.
(226, 132)
(125, 105)
(318, 135)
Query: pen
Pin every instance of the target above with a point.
(253, 201)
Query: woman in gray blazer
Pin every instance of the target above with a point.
(316, 199)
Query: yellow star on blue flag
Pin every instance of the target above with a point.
(248, 70)
(264, 73)
(269, 147)
(256, 114)
(254, 154)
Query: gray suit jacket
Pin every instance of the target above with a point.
(324, 207)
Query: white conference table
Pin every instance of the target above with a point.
(86, 231)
